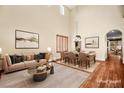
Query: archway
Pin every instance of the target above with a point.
(114, 43)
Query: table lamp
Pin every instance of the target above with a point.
(49, 49)
(49, 53)
(0, 52)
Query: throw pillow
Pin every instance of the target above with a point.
(16, 58)
(42, 55)
(8, 59)
(12, 57)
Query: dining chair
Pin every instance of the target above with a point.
(64, 56)
(72, 58)
(83, 59)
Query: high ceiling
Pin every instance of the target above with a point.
(73, 6)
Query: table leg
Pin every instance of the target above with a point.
(52, 70)
(0, 74)
(94, 59)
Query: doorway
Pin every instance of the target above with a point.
(114, 44)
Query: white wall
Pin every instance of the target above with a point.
(45, 20)
(96, 21)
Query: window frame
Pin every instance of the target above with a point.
(62, 10)
(60, 47)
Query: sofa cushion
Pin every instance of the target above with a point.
(39, 56)
(24, 58)
(42, 61)
(42, 55)
(19, 58)
(31, 63)
(12, 57)
(29, 58)
(17, 66)
(8, 60)
(35, 56)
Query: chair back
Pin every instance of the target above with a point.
(64, 55)
(83, 57)
(71, 55)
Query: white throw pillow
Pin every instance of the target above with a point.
(8, 60)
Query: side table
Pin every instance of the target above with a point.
(50, 67)
(1, 66)
(52, 70)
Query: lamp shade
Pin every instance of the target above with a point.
(0, 50)
(49, 49)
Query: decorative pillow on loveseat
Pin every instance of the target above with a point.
(42, 55)
(16, 58)
(39, 56)
(8, 59)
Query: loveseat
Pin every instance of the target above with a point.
(28, 61)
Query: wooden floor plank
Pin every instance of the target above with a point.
(109, 74)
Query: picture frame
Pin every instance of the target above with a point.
(26, 40)
(92, 42)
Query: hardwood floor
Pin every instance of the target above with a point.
(109, 74)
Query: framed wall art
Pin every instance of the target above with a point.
(92, 42)
(26, 40)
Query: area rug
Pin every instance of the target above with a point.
(63, 77)
(88, 70)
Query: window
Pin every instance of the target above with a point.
(61, 43)
(61, 9)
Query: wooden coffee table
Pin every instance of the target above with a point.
(39, 73)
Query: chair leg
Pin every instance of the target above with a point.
(81, 63)
(68, 60)
(94, 60)
(74, 62)
(64, 60)
(86, 65)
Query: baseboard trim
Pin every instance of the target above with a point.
(100, 61)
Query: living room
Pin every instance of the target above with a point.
(47, 24)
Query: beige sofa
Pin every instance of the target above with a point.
(9, 67)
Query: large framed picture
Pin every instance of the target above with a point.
(26, 40)
(92, 42)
